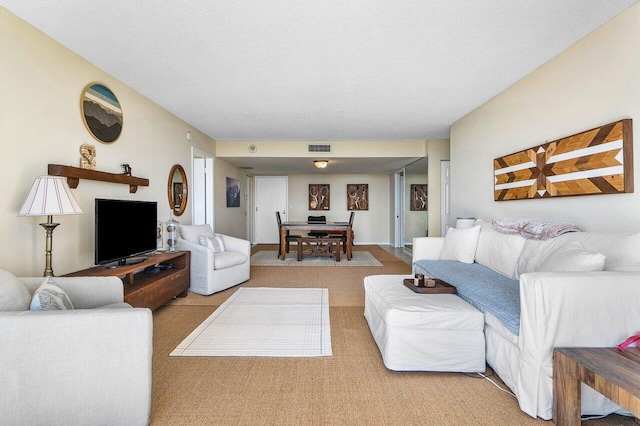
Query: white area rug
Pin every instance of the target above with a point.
(275, 322)
(270, 258)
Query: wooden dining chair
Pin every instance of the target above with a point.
(289, 238)
(343, 234)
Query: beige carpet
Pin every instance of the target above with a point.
(270, 258)
(350, 388)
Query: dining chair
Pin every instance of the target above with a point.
(288, 238)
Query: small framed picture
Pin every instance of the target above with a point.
(319, 197)
(358, 196)
(418, 200)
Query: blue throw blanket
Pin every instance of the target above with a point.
(482, 287)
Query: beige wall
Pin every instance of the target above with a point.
(437, 150)
(370, 226)
(40, 123)
(229, 220)
(594, 82)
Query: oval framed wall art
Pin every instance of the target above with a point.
(101, 113)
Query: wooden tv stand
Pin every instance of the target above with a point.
(144, 290)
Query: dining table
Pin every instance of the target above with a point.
(308, 226)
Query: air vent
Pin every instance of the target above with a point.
(319, 148)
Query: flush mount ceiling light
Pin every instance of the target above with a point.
(321, 164)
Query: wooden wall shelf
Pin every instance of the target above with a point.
(74, 174)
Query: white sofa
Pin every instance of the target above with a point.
(86, 366)
(564, 306)
(213, 272)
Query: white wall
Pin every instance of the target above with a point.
(370, 226)
(40, 123)
(594, 82)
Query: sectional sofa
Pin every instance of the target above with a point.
(580, 289)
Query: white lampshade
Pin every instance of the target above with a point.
(50, 195)
(321, 164)
(465, 222)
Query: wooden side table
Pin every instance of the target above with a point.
(611, 372)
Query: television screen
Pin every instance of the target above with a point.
(124, 229)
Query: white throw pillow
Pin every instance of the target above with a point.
(572, 257)
(214, 243)
(498, 251)
(50, 297)
(460, 244)
(14, 296)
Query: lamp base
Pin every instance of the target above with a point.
(49, 227)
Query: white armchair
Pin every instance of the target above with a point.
(86, 366)
(212, 272)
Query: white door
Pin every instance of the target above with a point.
(270, 196)
(445, 196)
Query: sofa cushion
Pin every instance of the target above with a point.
(460, 244)
(498, 251)
(572, 257)
(228, 259)
(214, 243)
(50, 297)
(14, 296)
(192, 233)
(619, 248)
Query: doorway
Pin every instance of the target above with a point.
(271, 195)
(202, 188)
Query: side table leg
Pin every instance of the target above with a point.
(566, 391)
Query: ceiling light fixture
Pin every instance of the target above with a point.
(321, 164)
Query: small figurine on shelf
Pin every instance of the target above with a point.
(88, 156)
(127, 169)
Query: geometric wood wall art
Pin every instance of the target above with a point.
(357, 196)
(598, 161)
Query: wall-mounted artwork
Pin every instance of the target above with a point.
(598, 161)
(319, 197)
(418, 198)
(101, 113)
(233, 192)
(357, 196)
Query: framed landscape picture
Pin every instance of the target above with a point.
(101, 113)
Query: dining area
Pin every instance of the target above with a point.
(316, 237)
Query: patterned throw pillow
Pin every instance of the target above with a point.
(214, 243)
(50, 297)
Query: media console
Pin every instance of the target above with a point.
(143, 290)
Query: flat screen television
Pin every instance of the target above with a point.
(124, 229)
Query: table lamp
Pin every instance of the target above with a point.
(49, 195)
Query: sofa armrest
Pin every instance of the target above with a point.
(236, 244)
(84, 292)
(427, 248)
(572, 309)
(73, 367)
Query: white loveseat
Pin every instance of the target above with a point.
(564, 306)
(210, 271)
(86, 366)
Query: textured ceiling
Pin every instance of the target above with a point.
(323, 70)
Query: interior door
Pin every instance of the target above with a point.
(270, 196)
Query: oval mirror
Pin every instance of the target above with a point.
(177, 189)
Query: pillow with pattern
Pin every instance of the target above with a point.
(50, 297)
(214, 243)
